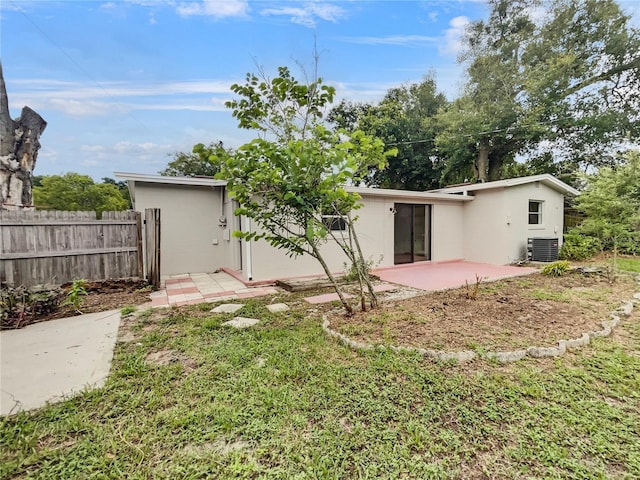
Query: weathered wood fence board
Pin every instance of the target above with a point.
(152, 250)
(58, 247)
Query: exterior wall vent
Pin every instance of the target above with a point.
(542, 249)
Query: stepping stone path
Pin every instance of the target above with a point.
(228, 308)
(241, 322)
(278, 307)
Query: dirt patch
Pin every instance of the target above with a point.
(505, 315)
(168, 357)
(101, 296)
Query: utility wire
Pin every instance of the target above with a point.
(73, 61)
(498, 130)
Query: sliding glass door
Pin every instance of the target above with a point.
(411, 233)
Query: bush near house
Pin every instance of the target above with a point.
(611, 203)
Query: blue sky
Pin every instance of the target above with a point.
(123, 84)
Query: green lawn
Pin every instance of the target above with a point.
(283, 401)
(628, 264)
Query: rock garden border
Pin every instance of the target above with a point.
(501, 357)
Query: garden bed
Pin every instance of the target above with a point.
(516, 313)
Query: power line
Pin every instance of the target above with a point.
(73, 61)
(498, 130)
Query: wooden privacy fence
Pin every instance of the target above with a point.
(57, 247)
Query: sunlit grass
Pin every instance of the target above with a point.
(281, 400)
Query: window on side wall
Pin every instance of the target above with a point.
(535, 212)
(335, 223)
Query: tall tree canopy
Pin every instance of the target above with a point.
(404, 119)
(196, 163)
(73, 191)
(558, 75)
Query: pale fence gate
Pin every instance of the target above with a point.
(58, 247)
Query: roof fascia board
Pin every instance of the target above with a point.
(145, 178)
(409, 194)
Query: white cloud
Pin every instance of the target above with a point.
(77, 99)
(398, 40)
(83, 108)
(214, 8)
(452, 44)
(308, 14)
(127, 148)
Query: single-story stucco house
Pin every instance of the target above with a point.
(486, 222)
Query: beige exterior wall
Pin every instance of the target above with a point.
(189, 227)
(375, 233)
(447, 232)
(485, 234)
(491, 228)
(496, 226)
(518, 216)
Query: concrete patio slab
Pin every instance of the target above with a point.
(442, 275)
(49, 361)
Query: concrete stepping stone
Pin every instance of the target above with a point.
(228, 308)
(326, 298)
(278, 307)
(241, 322)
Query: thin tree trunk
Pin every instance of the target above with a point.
(367, 277)
(325, 267)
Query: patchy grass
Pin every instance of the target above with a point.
(628, 264)
(280, 400)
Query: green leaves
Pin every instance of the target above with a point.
(611, 203)
(73, 191)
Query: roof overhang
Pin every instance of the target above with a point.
(408, 194)
(545, 178)
(146, 178)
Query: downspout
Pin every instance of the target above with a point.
(248, 252)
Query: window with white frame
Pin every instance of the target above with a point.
(535, 212)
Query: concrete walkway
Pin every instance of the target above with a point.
(49, 361)
(194, 288)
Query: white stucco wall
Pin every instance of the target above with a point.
(485, 231)
(517, 209)
(375, 232)
(496, 225)
(374, 218)
(189, 227)
(447, 232)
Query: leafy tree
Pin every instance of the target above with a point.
(611, 203)
(197, 163)
(122, 186)
(404, 119)
(73, 191)
(564, 82)
(289, 178)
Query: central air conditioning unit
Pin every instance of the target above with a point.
(542, 249)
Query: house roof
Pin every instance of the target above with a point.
(407, 194)
(147, 178)
(545, 178)
(364, 191)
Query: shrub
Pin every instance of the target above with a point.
(20, 306)
(577, 246)
(556, 269)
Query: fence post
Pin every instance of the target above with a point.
(139, 243)
(152, 233)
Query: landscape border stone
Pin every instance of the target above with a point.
(462, 356)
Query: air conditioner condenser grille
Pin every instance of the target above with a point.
(542, 249)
